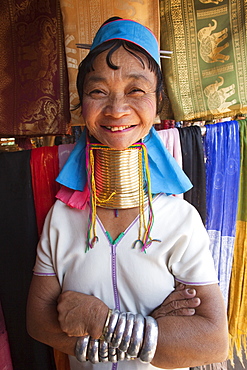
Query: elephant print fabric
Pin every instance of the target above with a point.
(209, 40)
(206, 77)
(217, 95)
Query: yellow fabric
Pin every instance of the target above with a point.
(238, 294)
(82, 20)
(206, 77)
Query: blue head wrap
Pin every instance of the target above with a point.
(128, 30)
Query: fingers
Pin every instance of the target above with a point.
(181, 302)
(183, 307)
(180, 293)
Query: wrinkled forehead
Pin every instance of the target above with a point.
(123, 65)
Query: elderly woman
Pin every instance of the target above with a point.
(123, 276)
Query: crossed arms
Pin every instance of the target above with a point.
(192, 322)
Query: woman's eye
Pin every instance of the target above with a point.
(96, 93)
(137, 92)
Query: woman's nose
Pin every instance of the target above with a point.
(117, 106)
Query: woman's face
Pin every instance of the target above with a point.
(119, 106)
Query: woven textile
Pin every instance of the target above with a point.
(207, 75)
(222, 179)
(34, 97)
(237, 310)
(81, 22)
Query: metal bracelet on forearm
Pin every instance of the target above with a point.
(130, 319)
(150, 340)
(125, 336)
(81, 348)
(136, 336)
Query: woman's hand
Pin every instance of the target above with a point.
(81, 314)
(181, 302)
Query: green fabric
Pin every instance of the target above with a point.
(237, 307)
(206, 78)
(242, 209)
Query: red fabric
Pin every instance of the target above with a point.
(5, 358)
(44, 168)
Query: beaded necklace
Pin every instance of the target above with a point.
(119, 179)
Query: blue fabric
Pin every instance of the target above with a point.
(222, 149)
(128, 30)
(166, 175)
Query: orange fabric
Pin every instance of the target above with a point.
(61, 360)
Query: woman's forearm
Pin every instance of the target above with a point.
(193, 340)
(189, 342)
(43, 325)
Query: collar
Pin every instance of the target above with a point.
(166, 175)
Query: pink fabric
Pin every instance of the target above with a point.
(64, 151)
(74, 198)
(171, 140)
(5, 357)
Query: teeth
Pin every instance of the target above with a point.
(117, 128)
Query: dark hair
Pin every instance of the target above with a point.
(86, 66)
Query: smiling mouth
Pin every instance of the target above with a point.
(117, 128)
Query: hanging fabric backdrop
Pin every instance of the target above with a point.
(237, 310)
(207, 75)
(34, 97)
(222, 179)
(81, 22)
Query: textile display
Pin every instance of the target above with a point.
(237, 310)
(171, 140)
(222, 179)
(44, 167)
(206, 78)
(81, 21)
(34, 83)
(194, 167)
(18, 242)
(5, 357)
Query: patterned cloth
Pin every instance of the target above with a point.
(82, 20)
(222, 179)
(206, 76)
(33, 85)
(237, 310)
